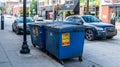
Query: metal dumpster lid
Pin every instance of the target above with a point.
(60, 27)
(40, 24)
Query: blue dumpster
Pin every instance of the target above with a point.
(65, 40)
(37, 32)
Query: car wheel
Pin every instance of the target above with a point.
(17, 31)
(89, 35)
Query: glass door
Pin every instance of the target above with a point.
(118, 14)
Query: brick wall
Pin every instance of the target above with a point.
(16, 10)
(105, 14)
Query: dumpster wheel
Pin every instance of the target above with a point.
(34, 45)
(80, 58)
(61, 62)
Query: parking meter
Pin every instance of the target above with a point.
(2, 22)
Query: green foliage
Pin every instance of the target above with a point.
(72, 12)
(33, 7)
(2, 8)
(27, 12)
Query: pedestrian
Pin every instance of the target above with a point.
(112, 19)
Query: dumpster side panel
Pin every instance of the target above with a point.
(40, 37)
(52, 41)
(75, 48)
(37, 32)
(33, 37)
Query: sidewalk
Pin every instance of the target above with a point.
(10, 45)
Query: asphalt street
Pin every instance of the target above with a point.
(98, 53)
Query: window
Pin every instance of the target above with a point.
(78, 20)
(90, 19)
(70, 19)
(69, 2)
(41, 3)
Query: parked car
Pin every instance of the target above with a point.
(94, 27)
(38, 18)
(17, 25)
(8, 16)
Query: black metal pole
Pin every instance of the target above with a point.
(25, 49)
(2, 22)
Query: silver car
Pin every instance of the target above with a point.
(17, 25)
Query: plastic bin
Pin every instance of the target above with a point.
(65, 40)
(37, 33)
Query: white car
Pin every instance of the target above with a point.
(38, 18)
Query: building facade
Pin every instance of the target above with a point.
(9, 7)
(10, 4)
(19, 6)
(108, 7)
(57, 8)
(46, 8)
(93, 7)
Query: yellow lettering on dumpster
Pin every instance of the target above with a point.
(65, 39)
(36, 31)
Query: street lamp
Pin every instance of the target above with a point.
(25, 49)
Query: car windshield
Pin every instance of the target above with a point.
(28, 20)
(90, 19)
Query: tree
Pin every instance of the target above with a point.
(2, 9)
(27, 12)
(33, 7)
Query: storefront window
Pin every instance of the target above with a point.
(118, 14)
(116, 10)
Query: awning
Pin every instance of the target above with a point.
(112, 5)
(71, 5)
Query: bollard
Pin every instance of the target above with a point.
(2, 22)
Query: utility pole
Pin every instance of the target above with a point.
(25, 49)
(87, 7)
